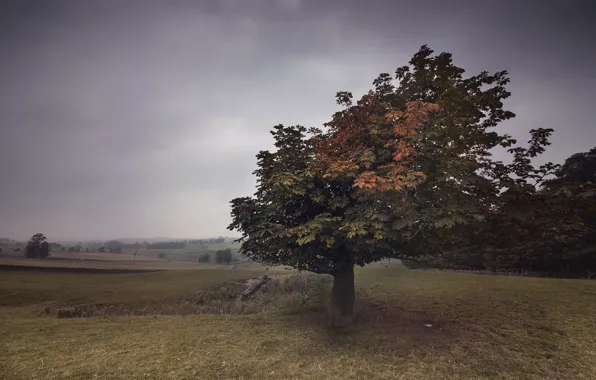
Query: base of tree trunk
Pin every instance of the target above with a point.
(343, 294)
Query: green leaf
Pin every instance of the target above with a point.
(444, 222)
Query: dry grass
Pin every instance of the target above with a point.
(284, 293)
(411, 325)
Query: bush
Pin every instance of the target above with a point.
(205, 258)
(223, 256)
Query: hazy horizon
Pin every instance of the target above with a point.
(143, 118)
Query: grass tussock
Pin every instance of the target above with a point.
(281, 293)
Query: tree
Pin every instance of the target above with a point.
(101, 249)
(37, 247)
(405, 172)
(223, 256)
(204, 258)
(579, 168)
(570, 205)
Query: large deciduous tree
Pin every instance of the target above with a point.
(405, 172)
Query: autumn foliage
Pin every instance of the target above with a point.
(349, 147)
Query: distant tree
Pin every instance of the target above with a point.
(17, 249)
(63, 249)
(37, 247)
(101, 249)
(161, 255)
(87, 250)
(219, 240)
(223, 256)
(205, 257)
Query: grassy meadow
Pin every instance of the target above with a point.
(187, 324)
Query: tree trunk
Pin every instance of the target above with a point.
(342, 297)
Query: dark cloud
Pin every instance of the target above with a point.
(142, 118)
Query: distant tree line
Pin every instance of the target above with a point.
(109, 250)
(565, 246)
(218, 240)
(167, 245)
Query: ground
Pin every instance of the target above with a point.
(411, 325)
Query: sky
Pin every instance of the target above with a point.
(141, 118)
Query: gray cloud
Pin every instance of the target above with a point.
(142, 118)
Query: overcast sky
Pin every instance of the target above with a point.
(142, 118)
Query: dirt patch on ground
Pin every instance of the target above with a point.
(388, 325)
(410, 325)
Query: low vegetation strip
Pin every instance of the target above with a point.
(282, 293)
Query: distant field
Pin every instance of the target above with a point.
(99, 260)
(191, 252)
(410, 324)
(186, 258)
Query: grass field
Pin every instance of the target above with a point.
(410, 325)
(144, 260)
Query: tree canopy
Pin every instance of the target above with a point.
(405, 172)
